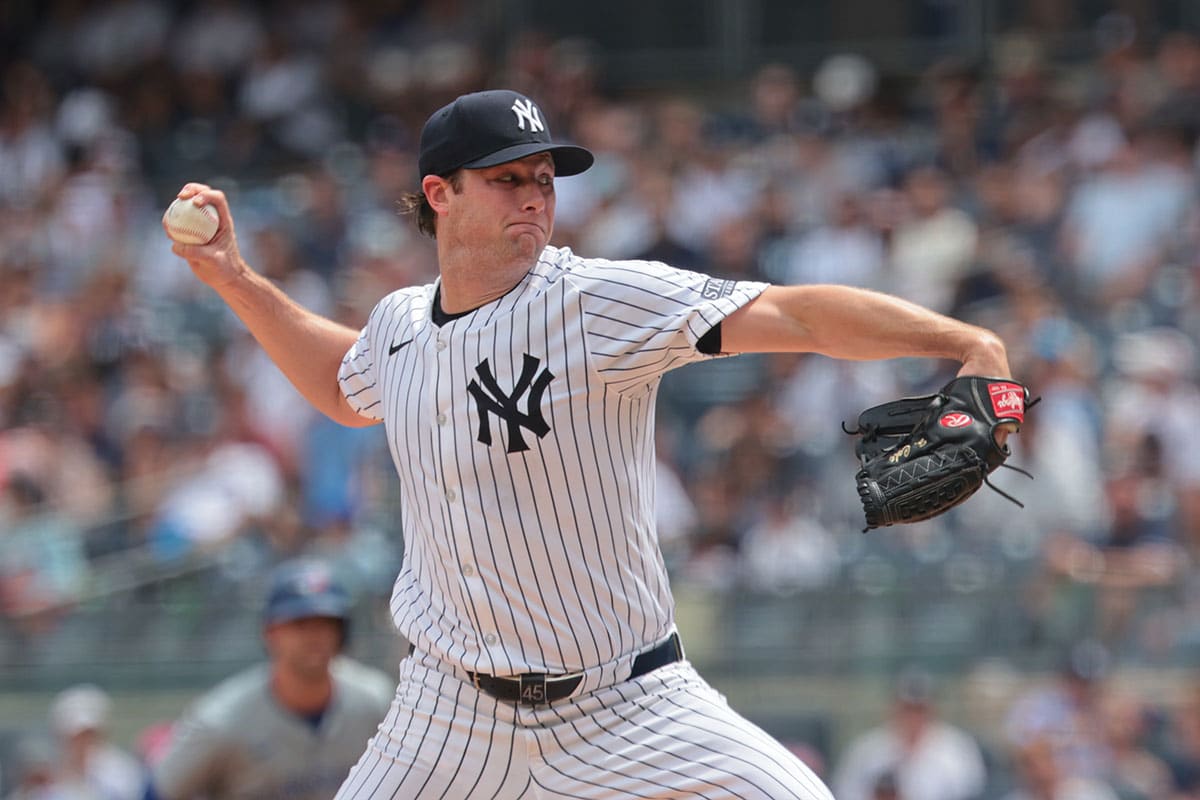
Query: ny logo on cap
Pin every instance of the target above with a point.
(526, 110)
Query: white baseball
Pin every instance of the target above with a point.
(188, 223)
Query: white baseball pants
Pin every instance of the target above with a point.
(667, 734)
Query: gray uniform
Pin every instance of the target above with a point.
(238, 742)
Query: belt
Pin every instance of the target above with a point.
(534, 688)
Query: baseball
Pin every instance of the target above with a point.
(188, 223)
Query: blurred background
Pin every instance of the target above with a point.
(1029, 166)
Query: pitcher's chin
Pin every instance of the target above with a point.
(529, 241)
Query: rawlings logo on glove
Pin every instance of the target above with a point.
(921, 456)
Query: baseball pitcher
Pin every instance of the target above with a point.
(517, 392)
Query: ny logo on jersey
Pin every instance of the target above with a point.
(527, 111)
(491, 399)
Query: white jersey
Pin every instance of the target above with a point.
(523, 436)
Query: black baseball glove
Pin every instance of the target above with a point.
(921, 456)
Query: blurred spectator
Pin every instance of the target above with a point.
(1065, 716)
(1118, 531)
(1065, 450)
(914, 755)
(219, 36)
(1133, 770)
(934, 244)
(1040, 776)
(1119, 225)
(845, 249)
(776, 107)
(116, 38)
(1179, 744)
(1153, 392)
(639, 226)
(236, 482)
(707, 187)
(1135, 553)
(334, 460)
(35, 765)
(89, 763)
(1178, 66)
(31, 161)
(43, 568)
(788, 549)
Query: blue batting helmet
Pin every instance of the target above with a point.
(305, 588)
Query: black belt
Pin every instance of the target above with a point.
(533, 688)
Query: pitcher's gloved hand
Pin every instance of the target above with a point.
(921, 456)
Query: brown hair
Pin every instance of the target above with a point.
(417, 204)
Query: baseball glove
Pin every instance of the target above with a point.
(921, 456)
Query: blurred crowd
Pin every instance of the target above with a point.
(1054, 201)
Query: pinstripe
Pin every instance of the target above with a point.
(628, 304)
(507, 540)
(623, 643)
(376, 756)
(597, 607)
(624, 556)
(638, 767)
(491, 742)
(527, 506)
(473, 607)
(506, 536)
(721, 729)
(694, 743)
(533, 505)
(441, 747)
(441, 740)
(637, 555)
(566, 517)
(618, 543)
(646, 715)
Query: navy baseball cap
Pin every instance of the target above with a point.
(305, 588)
(484, 129)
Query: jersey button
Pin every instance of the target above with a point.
(468, 570)
(451, 495)
(441, 419)
(441, 345)
(490, 638)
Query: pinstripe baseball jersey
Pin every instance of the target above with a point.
(523, 435)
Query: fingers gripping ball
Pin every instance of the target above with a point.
(921, 456)
(188, 223)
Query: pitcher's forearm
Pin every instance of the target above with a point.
(307, 347)
(858, 324)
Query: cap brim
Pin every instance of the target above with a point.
(308, 607)
(568, 158)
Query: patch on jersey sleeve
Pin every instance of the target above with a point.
(715, 289)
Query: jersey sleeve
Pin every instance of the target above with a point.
(643, 318)
(357, 376)
(193, 765)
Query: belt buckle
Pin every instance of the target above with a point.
(532, 688)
